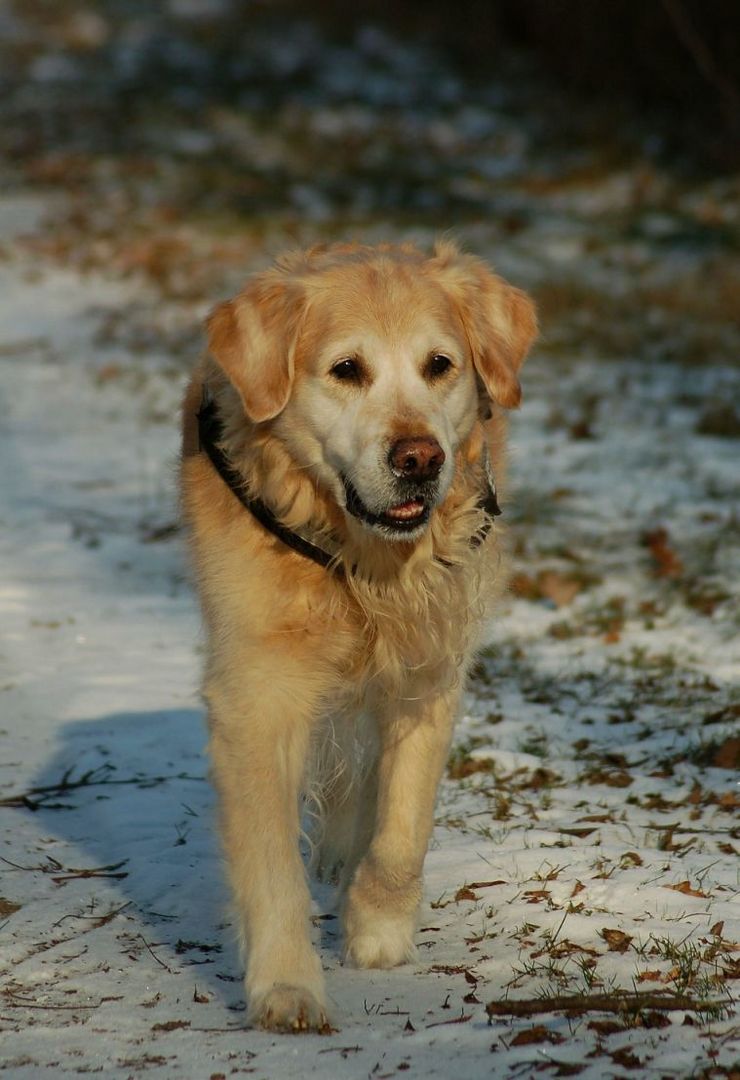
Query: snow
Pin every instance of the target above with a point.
(119, 958)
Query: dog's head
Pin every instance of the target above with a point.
(369, 364)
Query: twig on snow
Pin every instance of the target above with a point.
(152, 953)
(577, 1004)
(91, 778)
(461, 1019)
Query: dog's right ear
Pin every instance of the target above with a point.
(253, 338)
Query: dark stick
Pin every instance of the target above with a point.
(576, 1004)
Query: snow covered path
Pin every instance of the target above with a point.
(587, 834)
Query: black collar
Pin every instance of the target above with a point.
(210, 433)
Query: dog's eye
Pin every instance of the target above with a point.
(437, 365)
(348, 370)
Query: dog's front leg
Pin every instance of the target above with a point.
(259, 747)
(383, 898)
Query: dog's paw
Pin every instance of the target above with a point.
(380, 917)
(384, 945)
(292, 1009)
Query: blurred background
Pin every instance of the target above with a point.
(590, 149)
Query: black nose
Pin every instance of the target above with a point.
(417, 459)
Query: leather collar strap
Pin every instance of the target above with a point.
(210, 432)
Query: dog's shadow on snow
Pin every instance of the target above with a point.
(129, 793)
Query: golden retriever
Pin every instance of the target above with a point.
(341, 441)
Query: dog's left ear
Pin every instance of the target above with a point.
(500, 321)
(253, 338)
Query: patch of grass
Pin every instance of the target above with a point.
(694, 967)
(535, 743)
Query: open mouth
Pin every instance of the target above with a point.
(404, 517)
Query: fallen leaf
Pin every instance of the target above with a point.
(618, 778)
(537, 1034)
(536, 896)
(666, 563)
(537, 779)
(465, 894)
(605, 1027)
(458, 769)
(557, 587)
(650, 976)
(625, 1058)
(524, 586)
(171, 1025)
(685, 888)
(653, 1019)
(716, 930)
(616, 940)
(567, 948)
(731, 969)
(727, 755)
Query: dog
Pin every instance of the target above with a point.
(342, 443)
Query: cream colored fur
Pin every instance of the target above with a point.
(343, 686)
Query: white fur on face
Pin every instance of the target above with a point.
(340, 429)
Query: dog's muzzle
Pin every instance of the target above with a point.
(415, 464)
(400, 519)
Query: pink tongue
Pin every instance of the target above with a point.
(411, 509)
